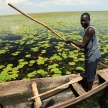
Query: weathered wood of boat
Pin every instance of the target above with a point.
(59, 98)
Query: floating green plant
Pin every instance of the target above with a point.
(72, 63)
(20, 60)
(35, 49)
(21, 42)
(0, 40)
(66, 49)
(32, 74)
(64, 55)
(16, 53)
(31, 62)
(41, 60)
(4, 76)
(56, 75)
(59, 50)
(52, 66)
(30, 42)
(56, 71)
(6, 47)
(46, 45)
(24, 63)
(2, 66)
(13, 72)
(2, 51)
(106, 59)
(81, 59)
(80, 68)
(42, 72)
(28, 56)
(14, 76)
(20, 66)
(68, 72)
(9, 67)
(43, 51)
(57, 47)
(55, 57)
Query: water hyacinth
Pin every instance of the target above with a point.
(30, 47)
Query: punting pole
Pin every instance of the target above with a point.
(43, 25)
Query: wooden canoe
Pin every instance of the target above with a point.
(16, 93)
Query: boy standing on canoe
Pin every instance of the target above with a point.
(90, 45)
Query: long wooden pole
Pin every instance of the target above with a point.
(48, 28)
(42, 24)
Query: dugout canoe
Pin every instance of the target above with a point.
(18, 92)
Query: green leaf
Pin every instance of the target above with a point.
(52, 66)
(72, 63)
(80, 68)
(32, 74)
(13, 76)
(4, 76)
(41, 60)
(56, 70)
(81, 59)
(68, 72)
(2, 66)
(56, 75)
(42, 72)
(2, 51)
(31, 62)
(28, 56)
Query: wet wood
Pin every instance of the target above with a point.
(59, 87)
(17, 87)
(95, 83)
(78, 88)
(104, 75)
(37, 103)
(81, 97)
(62, 99)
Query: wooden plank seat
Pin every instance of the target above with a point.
(104, 75)
(78, 88)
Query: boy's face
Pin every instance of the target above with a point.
(84, 21)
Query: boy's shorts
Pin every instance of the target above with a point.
(91, 70)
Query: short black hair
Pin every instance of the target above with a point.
(87, 14)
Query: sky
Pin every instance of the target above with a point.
(40, 6)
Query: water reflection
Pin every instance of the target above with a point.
(11, 37)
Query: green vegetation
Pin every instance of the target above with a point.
(29, 50)
(26, 47)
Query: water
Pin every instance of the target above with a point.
(18, 34)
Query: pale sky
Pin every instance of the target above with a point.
(39, 6)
